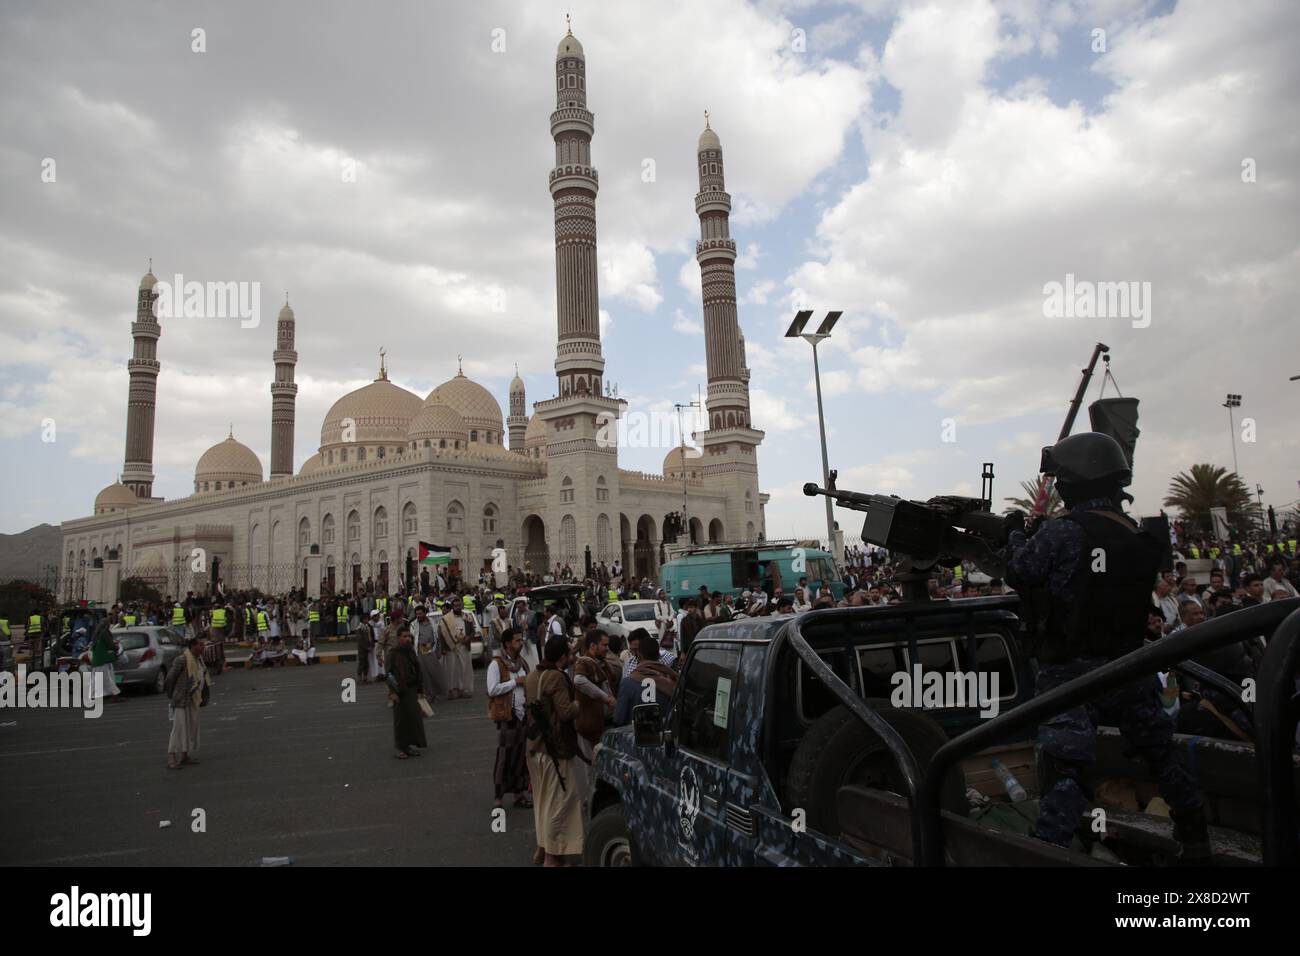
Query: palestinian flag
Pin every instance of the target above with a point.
(431, 554)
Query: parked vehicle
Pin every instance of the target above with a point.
(783, 747)
(624, 617)
(730, 569)
(147, 653)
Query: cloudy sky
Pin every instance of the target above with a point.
(927, 167)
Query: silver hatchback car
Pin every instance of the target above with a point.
(147, 654)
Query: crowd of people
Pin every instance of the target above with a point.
(555, 680)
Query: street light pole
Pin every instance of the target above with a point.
(814, 339)
(686, 517)
(1233, 401)
(821, 427)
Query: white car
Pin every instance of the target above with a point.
(624, 617)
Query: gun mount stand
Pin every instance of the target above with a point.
(915, 584)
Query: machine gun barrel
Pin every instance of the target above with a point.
(849, 499)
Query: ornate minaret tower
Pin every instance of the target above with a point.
(581, 424)
(578, 362)
(142, 398)
(284, 393)
(517, 421)
(730, 442)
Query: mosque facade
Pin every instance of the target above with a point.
(394, 468)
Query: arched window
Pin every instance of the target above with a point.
(749, 501)
(602, 489)
(361, 454)
(473, 436)
(749, 531)
(381, 521)
(327, 530)
(380, 453)
(490, 519)
(304, 533)
(455, 518)
(566, 491)
(568, 540)
(354, 526)
(429, 444)
(604, 542)
(410, 521)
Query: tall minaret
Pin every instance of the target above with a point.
(517, 421)
(284, 393)
(729, 443)
(578, 362)
(581, 423)
(142, 397)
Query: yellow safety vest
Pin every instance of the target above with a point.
(313, 616)
(381, 605)
(613, 596)
(263, 623)
(1214, 554)
(4, 626)
(1196, 553)
(248, 616)
(467, 602)
(1236, 549)
(34, 624)
(1269, 546)
(178, 616)
(341, 613)
(956, 573)
(219, 617)
(128, 620)
(1291, 545)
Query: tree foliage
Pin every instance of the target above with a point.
(139, 591)
(1026, 504)
(1206, 486)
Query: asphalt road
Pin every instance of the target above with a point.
(287, 769)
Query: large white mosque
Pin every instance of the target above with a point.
(394, 468)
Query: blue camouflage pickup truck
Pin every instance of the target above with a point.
(787, 745)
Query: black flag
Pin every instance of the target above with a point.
(1118, 418)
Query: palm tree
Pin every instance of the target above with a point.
(1026, 504)
(1195, 492)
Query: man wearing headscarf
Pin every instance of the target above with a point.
(404, 692)
(187, 683)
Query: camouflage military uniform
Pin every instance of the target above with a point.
(1052, 559)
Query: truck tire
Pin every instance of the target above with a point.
(838, 749)
(608, 841)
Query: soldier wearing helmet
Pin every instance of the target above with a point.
(1091, 571)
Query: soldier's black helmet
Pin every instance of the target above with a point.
(1087, 458)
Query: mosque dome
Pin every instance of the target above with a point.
(116, 497)
(312, 464)
(286, 313)
(673, 462)
(380, 412)
(474, 404)
(227, 464)
(148, 280)
(709, 139)
(438, 422)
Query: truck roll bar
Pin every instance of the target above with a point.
(1276, 699)
(898, 748)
